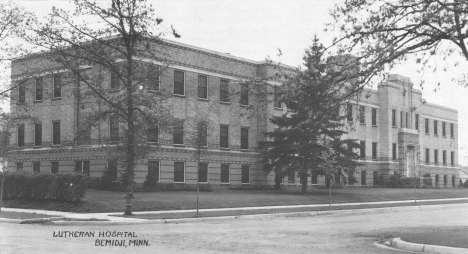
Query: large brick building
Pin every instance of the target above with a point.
(401, 133)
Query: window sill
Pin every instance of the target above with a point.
(203, 99)
(374, 125)
(276, 108)
(56, 98)
(225, 183)
(225, 148)
(152, 90)
(179, 95)
(37, 146)
(38, 101)
(179, 182)
(243, 105)
(56, 145)
(225, 102)
(245, 183)
(179, 145)
(394, 127)
(244, 150)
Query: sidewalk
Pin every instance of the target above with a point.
(180, 216)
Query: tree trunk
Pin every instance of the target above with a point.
(277, 181)
(304, 182)
(131, 141)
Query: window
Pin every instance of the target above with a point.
(394, 151)
(314, 178)
(244, 138)
(244, 94)
(363, 177)
(112, 169)
(202, 87)
(444, 134)
(38, 134)
(452, 133)
(153, 170)
(338, 177)
(374, 150)
(362, 115)
(19, 166)
(82, 167)
(179, 172)
(437, 179)
(436, 156)
(21, 135)
(114, 128)
(349, 112)
(444, 157)
(435, 127)
(36, 167)
(225, 175)
(84, 135)
(291, 176)
(153, 77)
(54, 167)
(276, 98)
(115, 80)
(401, 119)
(202, 172)
(21, 92)
(224, 90)
(245, 178)
(202, 134)
(38, 96)
(362, 153)
(452, 158)
(56, 133)
(416, 122)
(393, 118)
(57, 86)
(179, 83)
(153, 134)
(426, 125)
(375, 177)
(178, 132)
(428, 157)
(407, 120)
(224, 136)
(374, 117)
(453, 180)
(445, 180)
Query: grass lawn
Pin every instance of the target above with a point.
(106, 201)
(453, 237)
(15, 215)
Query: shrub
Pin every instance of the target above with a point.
(105, 182)
(206, 187)
(41, 186)
(151, 183)
(465, 185)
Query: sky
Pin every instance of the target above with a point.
(257, 29)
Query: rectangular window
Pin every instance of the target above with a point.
(351, 176)
(179, 172)
(115, 80)
(36, 167)
(394, 151)
(314, 178)
(452, 133)
(21, 135)
(179, 83)
(276, 98)
(349, 112)
(338, 177)
(153, 77)
(435, 127)
(362, 115)
(436, 156)
(436, 179)
(38, 134)
(444, 133)
(21, 92)
(291, 176)
(153, 170)
(362, 153)
(202, 135)
(374, 117)
(84, 135)
(444, 157)
(57, 86)
(428, 156)
(416, 122)
(374, 150)
(244, 138)
(178, 132)
(38, 89)
(112, 168)
(202, 172)
(224, 90)
(19, 166)
(54, 167)
(202, 87)
(393, 118)
(153, 134)
(445, 180)
(245, 178)
(224, 136)
(82, 167)
(225, 175)
(363, 177)
(452, 158)
(426, 125)
(375, 177)
(407, 120)
(401, 119)
(244, 94)
(56, 133)
(114, 128)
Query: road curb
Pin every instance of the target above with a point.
(6, 220)
(427, 248)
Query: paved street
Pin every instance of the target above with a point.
(339, 233)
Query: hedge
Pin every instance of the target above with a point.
(43, 186)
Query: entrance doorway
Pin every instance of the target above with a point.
(411, 161)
